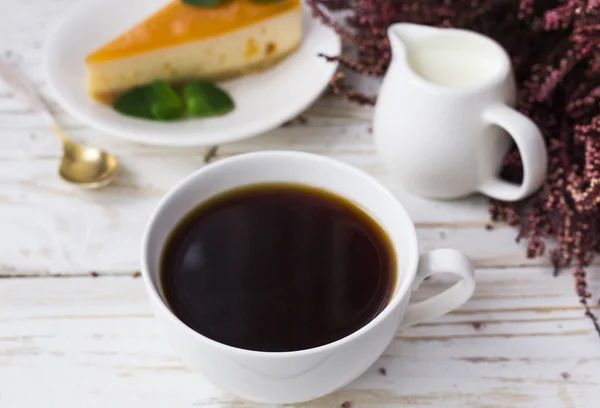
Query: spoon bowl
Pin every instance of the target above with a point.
(87, 167)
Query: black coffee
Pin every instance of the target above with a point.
(277, 267)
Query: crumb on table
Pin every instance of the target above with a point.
(478, 325)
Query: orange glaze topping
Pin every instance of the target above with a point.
(178, 23)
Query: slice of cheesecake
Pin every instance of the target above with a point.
(181, 43)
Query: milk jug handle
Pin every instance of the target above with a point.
(530, 142)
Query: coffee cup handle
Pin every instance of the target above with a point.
(432, 263)
(532, 148)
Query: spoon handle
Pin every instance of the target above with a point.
(24, 88)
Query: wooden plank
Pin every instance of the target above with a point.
(39, 142)
(94, 343)
(49, 227)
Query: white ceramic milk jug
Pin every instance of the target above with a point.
(444, 120)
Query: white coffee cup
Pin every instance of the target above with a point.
(291, 377)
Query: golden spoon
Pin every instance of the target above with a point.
(87, 167)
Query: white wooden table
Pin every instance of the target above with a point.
(71, 340)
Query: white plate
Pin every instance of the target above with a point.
(263, 101)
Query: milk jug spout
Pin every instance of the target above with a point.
(403, 35)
